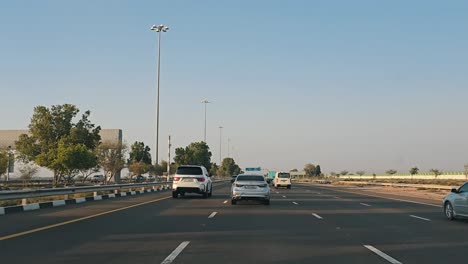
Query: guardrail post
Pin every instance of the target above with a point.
(24, 201)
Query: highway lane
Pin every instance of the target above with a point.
(309, 223)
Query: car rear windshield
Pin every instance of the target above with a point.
(189, 171)
(250, 178)
(284, 175)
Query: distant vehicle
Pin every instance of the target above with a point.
(97, 178)
(250, 187)
(456, 203)
(192, 179)
(140, 179)
(282, 179)
(233, 179)
(271, 176)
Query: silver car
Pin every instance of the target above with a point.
(250, 187)
(456, 202)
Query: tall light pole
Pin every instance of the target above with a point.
(8, 164)
(229, 141)
(159, 29)
(205, 102)
(220, 143)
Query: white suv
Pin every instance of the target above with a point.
(191, 179)
(282, 179)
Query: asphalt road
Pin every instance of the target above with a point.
(307, 224)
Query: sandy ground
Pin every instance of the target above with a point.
(430, 194)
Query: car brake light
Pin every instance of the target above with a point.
(201, 179)
(176, 178)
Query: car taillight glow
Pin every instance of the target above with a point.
(201, 179)
(176, 178)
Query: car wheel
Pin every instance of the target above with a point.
(182, 194)
(175, 195)
(448, 209)
(266, 202)
(233, 202)
(205, 194)
(211, 191)
(289, 186)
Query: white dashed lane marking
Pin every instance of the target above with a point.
(175, 253)
(212, 215)
(421, 218)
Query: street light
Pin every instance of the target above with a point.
(8, 163)
(159, 29)
(220, 143)
(205, 102)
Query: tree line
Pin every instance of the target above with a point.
(71, 147)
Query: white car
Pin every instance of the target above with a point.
(282, 179)
(250, 187)
(192, 179)
(456, 203)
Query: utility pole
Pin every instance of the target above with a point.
(229, 148)
(158, 29)
(169, 158)
(8, 164)
(205, 102)
(220, 143)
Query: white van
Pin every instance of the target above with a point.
(282, 179)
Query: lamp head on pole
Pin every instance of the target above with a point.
(160, 28)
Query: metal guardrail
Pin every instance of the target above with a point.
(24, 194)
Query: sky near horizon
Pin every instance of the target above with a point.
(355, 85)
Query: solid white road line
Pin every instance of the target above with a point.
(383, 255)
(364, 204)
(225, 201)
(295, 203)
(212, 214)
(422, 218)
(284, 196)
(317, 216)
(175, 253)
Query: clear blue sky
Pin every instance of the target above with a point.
(371, 85)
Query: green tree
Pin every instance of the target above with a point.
(74, 158)
(436, 172)
(414, 171)
(391, 172)
(139, 152)
(344, 172)
(293, 170)
(197, 153)
(228, 168)
(138, 168)
(27, 172)
(214, 169)
(51, 127)
(111, 158)
(309, 169)
(360, 173)
(333, 174)
(3, 163)
(318, 170)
